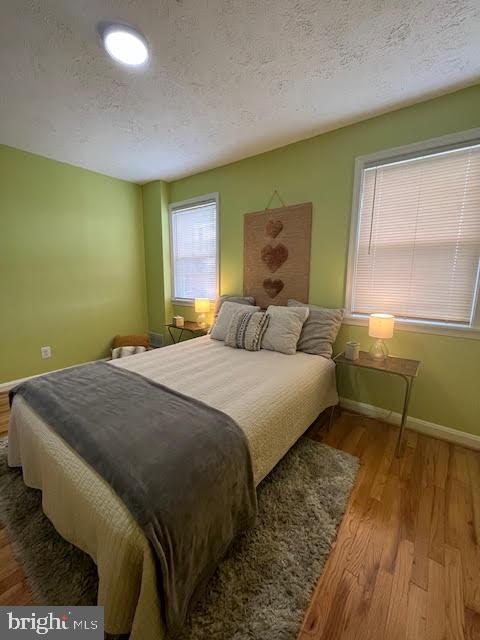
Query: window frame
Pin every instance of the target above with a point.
(184, 204)
(396, 154)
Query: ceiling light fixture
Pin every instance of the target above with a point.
(125, 45)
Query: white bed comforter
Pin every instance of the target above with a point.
(271, 396)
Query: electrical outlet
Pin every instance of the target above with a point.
(46, 352)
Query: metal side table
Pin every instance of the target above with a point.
(193, 328)
(403, 367)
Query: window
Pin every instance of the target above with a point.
(415, 243)
(194, 247)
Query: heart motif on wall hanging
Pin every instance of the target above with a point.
(272, 287)
(273, 228)
(274, 257)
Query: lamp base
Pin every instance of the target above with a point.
(379, 350)
(202, 320)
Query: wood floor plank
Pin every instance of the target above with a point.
(342, 427)
(458, 465)
(7, 569)
(371, 461)
(436, 618)
(411, 438)
(422, 537)
(340, 623)
(441, 456)
(365, 551)
(375, 620)
(413, 483)
(406, 463)
(6, 555)
(454, 607)
(417, 613)
(383, 472)
(473, 460)
(437, 530)
(428, 450)
(4, 540)
(396, 626)
(4, 412)
(18, 594)
(10, 579)
(394, 503)
(351, 439)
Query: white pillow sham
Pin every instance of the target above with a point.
(284, 328)
(227, 311)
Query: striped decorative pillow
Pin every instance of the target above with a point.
(246, 330)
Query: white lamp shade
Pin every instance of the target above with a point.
(202, 305)
(380, 325)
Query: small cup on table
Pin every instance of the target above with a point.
(352, 350)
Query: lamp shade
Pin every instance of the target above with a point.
(380, 325)
(202, 305)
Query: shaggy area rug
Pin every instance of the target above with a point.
(262, 588)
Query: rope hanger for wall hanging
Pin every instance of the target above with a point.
(275, 193)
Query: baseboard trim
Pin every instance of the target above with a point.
(416, 424)
(6, 386)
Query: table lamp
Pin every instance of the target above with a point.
(380, 326)
(202, 306)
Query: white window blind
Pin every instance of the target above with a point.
(194, 250)
(418, 238)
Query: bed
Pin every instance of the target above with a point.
(272, 397)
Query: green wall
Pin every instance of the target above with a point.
(321, 170)
(157, 254)
(72, 270)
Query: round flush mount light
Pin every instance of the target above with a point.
(125, 45)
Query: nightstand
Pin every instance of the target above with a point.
(403, 367)
(190, 327)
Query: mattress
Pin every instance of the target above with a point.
(272, 397)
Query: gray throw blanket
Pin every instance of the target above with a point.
(182, 468)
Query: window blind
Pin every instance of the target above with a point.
(418, 243)
(194, 250)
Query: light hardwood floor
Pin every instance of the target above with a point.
(406, 562)
(4, 412)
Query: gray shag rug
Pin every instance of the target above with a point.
(263, 587)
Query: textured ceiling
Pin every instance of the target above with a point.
(227, 78)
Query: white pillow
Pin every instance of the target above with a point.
(122, 352)
(227, 311)
(284, 328)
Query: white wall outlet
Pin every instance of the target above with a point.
(46, 352)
